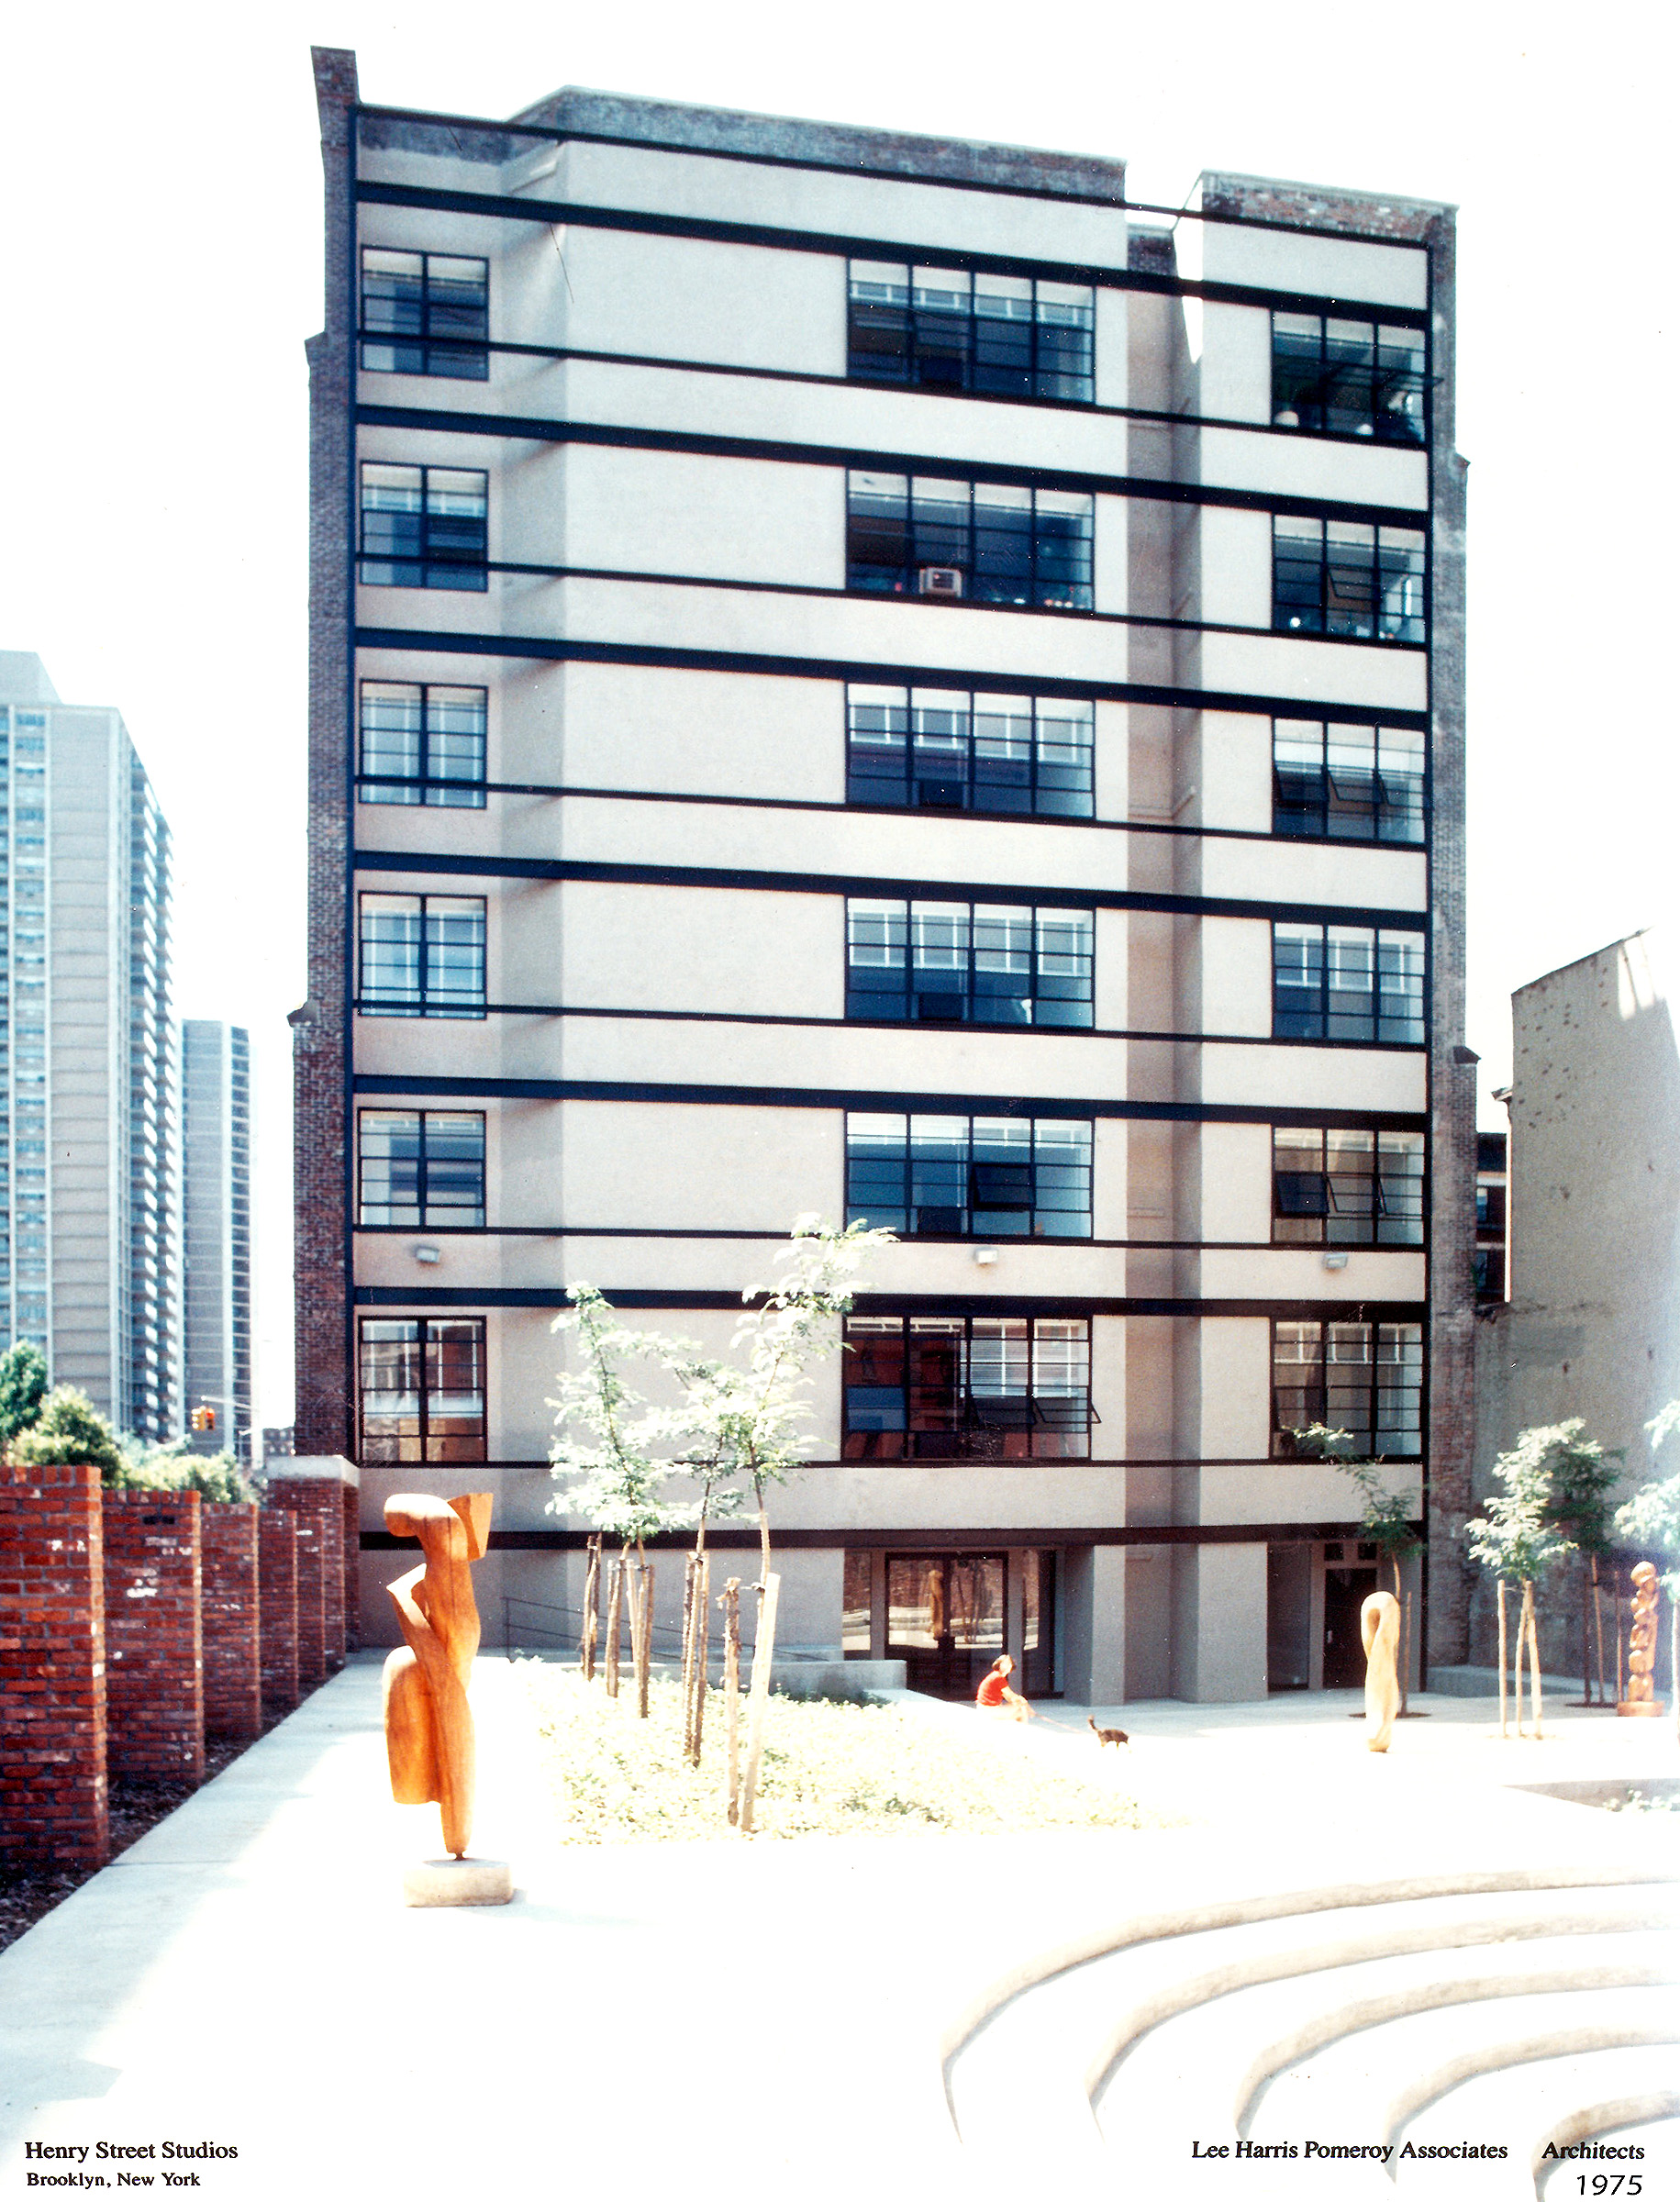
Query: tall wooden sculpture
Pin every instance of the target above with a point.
(1379, 1625)
(429, 1724)
(1640, 1703)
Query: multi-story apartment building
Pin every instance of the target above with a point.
(867, 674)
(91, 1138)
(216, 1183)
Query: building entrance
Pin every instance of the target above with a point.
(945, 1619)
(1345, 1591)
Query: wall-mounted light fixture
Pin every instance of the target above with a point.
(1335, 1260)
(427, 1255)
(985, 1257)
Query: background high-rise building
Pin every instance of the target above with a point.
(870, 674)
(216, 1183)
(89, 1129)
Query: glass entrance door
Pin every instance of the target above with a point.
(945, 1619)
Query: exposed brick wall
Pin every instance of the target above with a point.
(153, 1634)
(352, 1567)
(277, 1557)
(320, 1500)
(230, 1605)
(312, 1667)
(52, 1680)
(320, 1028)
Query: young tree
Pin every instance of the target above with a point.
(68, 1429)
(213, 1475)
(1583, 1477)
(621, 1472)
(747, 1419)
(1517, 1541)
(1387, 1522)
(1652, 1519)
(23, 1386)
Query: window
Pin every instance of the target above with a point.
(1345, 981)
(1487, 1272)
(1341, 577)
(424, 527)
(423, 1389)
(1365, 1378)
(421, 1167)
(422, 955)
(1346, 1189)
(944, 328)
(932, 1387)
(425, 313)
(947, 749)
(981, 1178)
(1347, 783)
(960, 963)
(1005, 545)
(1350, 378)
(1490, 1207)
(422, 745)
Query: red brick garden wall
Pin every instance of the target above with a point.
(312, 1668)
(153, 1635)
(318, 1500)
(277, 1554)
(231, 1596)
(52, 1685)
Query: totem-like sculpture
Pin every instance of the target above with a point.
(1640, 1703)
(1379, 1625)
(429, 1724)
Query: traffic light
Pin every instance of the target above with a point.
(203, 1418)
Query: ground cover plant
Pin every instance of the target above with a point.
(827, 1769)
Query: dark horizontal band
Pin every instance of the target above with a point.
(558, 650)
(878, 1102)
(1142, 489)
(910, 1303)
(862, 884)
(925, 1541)
(840, 245)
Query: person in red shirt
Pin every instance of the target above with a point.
(995, 1695)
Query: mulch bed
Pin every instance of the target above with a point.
(27, 1892)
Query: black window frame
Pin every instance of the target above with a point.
(985, 1206)
(426, 999)
(1333, 583)
(940, 532)
(1298, 1406)
(909, 766)
(1334, 798)
(428, 1214)
(423, 788)
(432, 1336)
(957, 1002)
(1338, 395)
(1293, 1020)
(448, 551)
(940, 338)
(1032, 1423)
(440, 342)
(1352, 1206)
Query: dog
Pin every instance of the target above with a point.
(1107, 1734)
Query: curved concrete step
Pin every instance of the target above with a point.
(1523, 2108)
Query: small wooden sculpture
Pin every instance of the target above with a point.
(1379, 1625)
(1640, 1703)
(428, 1725)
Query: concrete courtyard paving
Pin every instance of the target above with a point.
(712, 2015)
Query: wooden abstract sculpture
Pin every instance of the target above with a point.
(428, 1725)
(1379, 1625)
(1640, 1703)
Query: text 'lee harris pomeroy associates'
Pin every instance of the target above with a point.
(1344, 2151)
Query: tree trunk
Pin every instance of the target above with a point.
(1599, 1625)
(644, 1656)
(1499, 1587)
(764, 1653)
(1587, 1630)
(1517, 1666)
(615, 1617)
(1534, 1693)
(690, 1569)
(592, 1608)
(730, 1602)
(697, 1719)
(1405, 1605)
(1673, 1657)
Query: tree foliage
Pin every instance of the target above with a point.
(1583, 1477)
(68, 1429)
(1387, 1519)
(23, 1387)
(218, 1476)
(1651, 1518)
(1520, 1534)
(619, 1470)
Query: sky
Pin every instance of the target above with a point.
(159, 173)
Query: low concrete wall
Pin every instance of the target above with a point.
(855, 1681)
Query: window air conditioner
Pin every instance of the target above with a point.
(939, 581)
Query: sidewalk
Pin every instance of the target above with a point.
(247, 1977)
